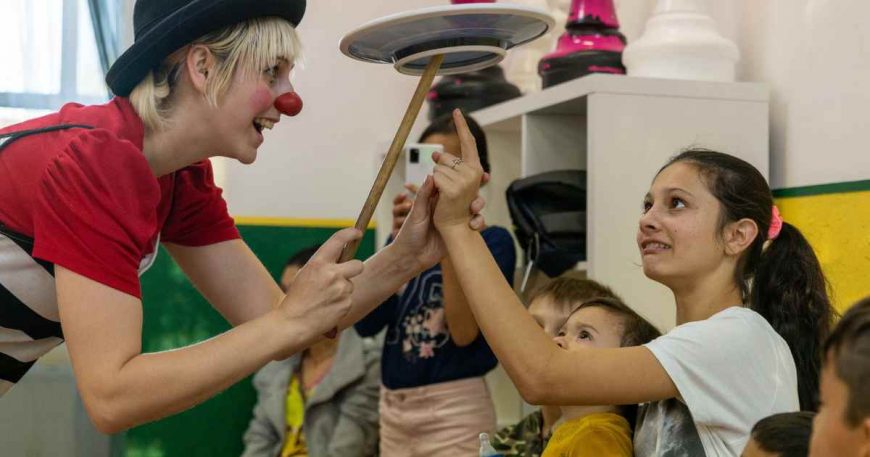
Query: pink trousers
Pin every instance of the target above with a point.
(436, 420)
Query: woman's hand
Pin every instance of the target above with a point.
(458, 181)
(321, 294)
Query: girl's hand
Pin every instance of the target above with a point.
(321, 294)
(458, 181)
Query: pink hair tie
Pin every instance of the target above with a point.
(775, 224)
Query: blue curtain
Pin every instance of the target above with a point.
(105, 15)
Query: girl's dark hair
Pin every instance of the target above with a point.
(783, 281)
(785, 434)
(444, 125)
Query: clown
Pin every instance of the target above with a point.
(86, 194)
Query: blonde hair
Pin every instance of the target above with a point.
(251, 46)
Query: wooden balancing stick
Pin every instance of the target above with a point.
(389, 163)
(365, 216)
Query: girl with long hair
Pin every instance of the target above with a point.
(751, 304)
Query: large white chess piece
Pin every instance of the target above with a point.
(681, 42)
(521, 66)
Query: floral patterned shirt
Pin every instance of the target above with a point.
(418, 349)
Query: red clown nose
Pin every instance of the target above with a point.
(289, 104)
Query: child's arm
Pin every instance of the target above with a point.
(541, 371)
(460, 321)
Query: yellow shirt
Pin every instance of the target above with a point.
(294, 439)
(595, 435)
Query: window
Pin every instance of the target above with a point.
(49, 55)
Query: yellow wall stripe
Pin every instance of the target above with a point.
(837, 225)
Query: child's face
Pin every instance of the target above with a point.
(832, 436)
(677, 233)
(451, 142)
(593, 326)
(549, 315)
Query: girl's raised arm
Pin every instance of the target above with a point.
(542, 371)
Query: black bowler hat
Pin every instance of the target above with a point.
(163, 26)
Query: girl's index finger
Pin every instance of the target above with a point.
(466, 140)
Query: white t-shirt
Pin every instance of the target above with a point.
(731, 370)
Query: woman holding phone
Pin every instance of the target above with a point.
(434, 401)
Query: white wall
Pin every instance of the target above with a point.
(814, 56)
(321, 163)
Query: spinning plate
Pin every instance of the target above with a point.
(470, 36)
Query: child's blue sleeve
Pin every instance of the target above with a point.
(501, 245)
(379, 318)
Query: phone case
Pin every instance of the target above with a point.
(418, 161)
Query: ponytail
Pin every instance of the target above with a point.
(790, 291)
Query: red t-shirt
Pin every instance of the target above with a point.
(90, 201)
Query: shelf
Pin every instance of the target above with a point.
(570, 97)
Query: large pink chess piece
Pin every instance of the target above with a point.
(591, 44)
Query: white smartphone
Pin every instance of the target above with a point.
(418, 161)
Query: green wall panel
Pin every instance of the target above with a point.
(176, 315)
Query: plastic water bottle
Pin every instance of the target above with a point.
(486, 449)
